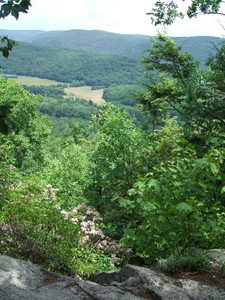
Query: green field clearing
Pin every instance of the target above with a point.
(28, 80)
(84, 92)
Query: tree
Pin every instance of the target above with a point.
(13, 7)
(28, 133)
(166, 12)
(180, 205)
(179, 86)
(116, 157)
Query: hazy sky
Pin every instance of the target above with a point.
(120, 16)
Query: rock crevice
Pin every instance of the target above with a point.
(21, 280)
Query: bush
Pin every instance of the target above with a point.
(180, 205)
(197, 262)
(37, 231)
(35, 228)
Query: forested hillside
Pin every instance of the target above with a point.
(92, 199)
(130, 45)
(70, 65)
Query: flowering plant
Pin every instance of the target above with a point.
(100, 250)
(68, 242)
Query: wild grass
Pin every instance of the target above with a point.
(28, 80)
(84, 92)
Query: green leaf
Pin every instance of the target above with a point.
(126, 203)
(214, 168)
(223, 189)
(153, 182)
(114, 198)
(147, 206)
(15, 14)
(5, 52)
(184, 207)
(131, 192)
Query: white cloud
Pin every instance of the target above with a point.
(122, 16)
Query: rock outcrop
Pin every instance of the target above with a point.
(21, 280)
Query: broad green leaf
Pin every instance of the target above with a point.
(15, 14)
(153, 182)
(147, 206)
(184, 207)
(114, 198)
(131, 192)
(223, 189)
(214, 168)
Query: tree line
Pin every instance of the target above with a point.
(70, 65)
(83, 203)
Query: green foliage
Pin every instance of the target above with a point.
(8, 47)
(121, 95)
(197, 262)
(128, 45)
(14, 7)
(206, 7)
(116, 155)
(77, 83)
(162, 142)
(65, 112)
(167, 12)
(68, 171)
(180, 205)
(72, 65)
(34, 227)
(8, 172)
(158, 192)
(27, 132)
(78, 133)
(96, 251)
(78, 108)
(47, 91)
(164, 13)
(181, 87)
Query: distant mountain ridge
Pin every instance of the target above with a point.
(130, 45)
(90, 57)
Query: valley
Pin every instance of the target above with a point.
(83, 92)
(87, 188)
(29, 80)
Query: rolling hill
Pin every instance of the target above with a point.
(75, 66)
(130, 45)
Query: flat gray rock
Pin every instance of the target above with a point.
(21, 280)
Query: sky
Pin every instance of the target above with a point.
(119, 16)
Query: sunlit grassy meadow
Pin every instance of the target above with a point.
(84, 92)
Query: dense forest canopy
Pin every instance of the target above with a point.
(91, 199)
(103, 42)
(68, 65)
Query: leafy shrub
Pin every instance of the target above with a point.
(180, 205)
(198, 262)
(35, 228)
(96, 252)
